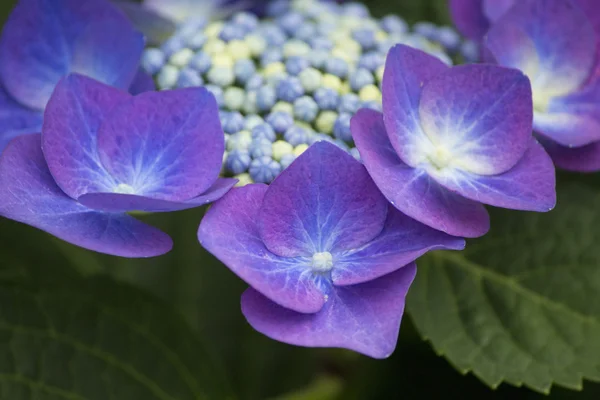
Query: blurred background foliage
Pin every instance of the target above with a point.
(191, 282)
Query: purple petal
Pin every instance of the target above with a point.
(29, 195)
(572, 120)
(364, 318)
(72, 119)
(530, 185)
(402, 241)
(592, 12)
(406, 71)
(480, 115)
(166, 145)
(229, 232)
(579, 159)
(16, 119)
(44, 40)
(469, 18)
(142, 82)
(563, 40)
(117, 202)
(324, 201)
(494, 9)
(411, 190)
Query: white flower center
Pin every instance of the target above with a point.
(124, 188)
(322, 262)
(440, 157)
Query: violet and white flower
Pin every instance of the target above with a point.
(556, 44)
(44, 40)
(452, 139)
(102, 153)
(328, 261)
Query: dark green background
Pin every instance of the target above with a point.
(208, 296)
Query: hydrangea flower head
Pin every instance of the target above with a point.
(556, 43)
(288, 79)
(102, 153)
(328, 261)
(44, 40)
(453, 139)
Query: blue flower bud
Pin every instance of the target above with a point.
(189, 28)
(237, 161)
(246, 20)
(290, 22)
(341, 128)
(221, 76)
(271, 56)
(336, 66)
(217, 92)
(260, 148)
(289, 89)
(253, 121)
(286, 160)
(280, 121)
(201, 62)
(373, 105)
(361, 78)
(306, 109)
(266, 98)
(232, 32)
(264, 169)
(196, 41)
(255, 82)
(274, 35)
(327, 99)
(278, 7)
(320, 43)
(448, 38)
(167, 77)
(296, 64)
(244, 69)
(232, 122)
(264, 131)
(365, 37)
(349, 103)
(189, 78)
(354, 153)
(153, 60)
(426, 29)
(356, 10)
(296, 135)
(371, 61)
(172, 46)
(305, 31)
(394, 24)
(318, 58)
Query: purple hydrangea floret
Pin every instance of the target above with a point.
(556, 44)
(328, 261)
(44, 40)
(102, 153)
(452, 139)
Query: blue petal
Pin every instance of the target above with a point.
(29, 194)
(167, 145)
(116, 202)
(142, 82)
(324, 201)
(411, 190)
(406, 71)
(229, 231)
(364, 318)
(529, 185)
(44, 40)
(402, 241)
(16, 119)
(477, 117)
(69, 136)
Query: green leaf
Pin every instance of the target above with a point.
(522, 304)
(88, 339)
